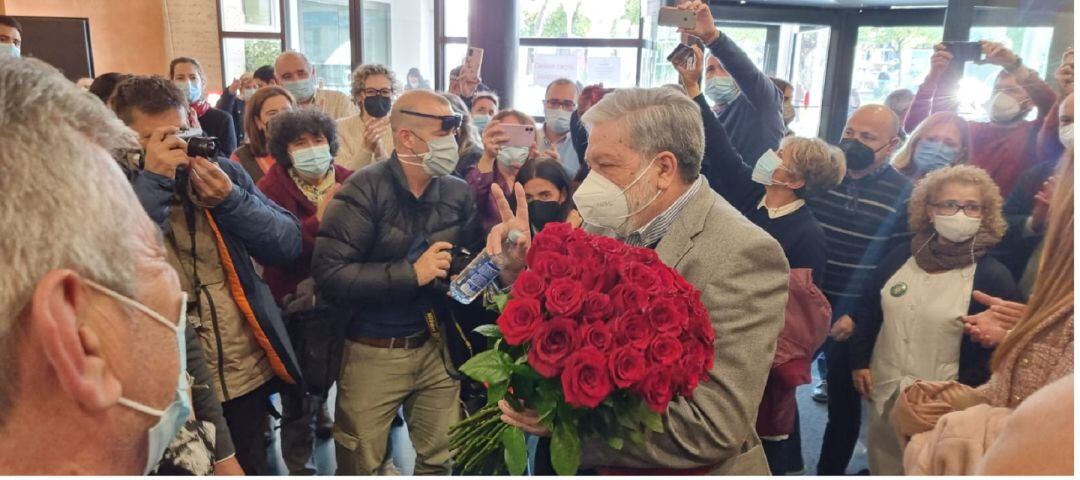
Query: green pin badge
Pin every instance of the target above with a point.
(898, 290)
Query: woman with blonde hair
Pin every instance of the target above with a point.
(942, 140)
(1033, 354)
(909, 325)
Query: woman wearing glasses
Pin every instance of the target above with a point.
(909, 321)
(366, 137)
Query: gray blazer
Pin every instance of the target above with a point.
(743, 277)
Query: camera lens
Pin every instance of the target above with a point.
(205, 147)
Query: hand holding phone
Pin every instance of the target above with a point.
(519, 135)
(964, 51)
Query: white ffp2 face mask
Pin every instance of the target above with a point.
(602, 203)
(958, 227)
(1065, 134)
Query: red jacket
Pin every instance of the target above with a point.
(279, 187)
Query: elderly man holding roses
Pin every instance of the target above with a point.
(645, 189)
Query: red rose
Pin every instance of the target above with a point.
(554, 265)
(561, 230)
(664, 350)
(581, 250)
(596, 307)
(544, 243)
(641, 276)
(697, 357)
(591, 274)
(553, 342)
(699, 324)
(627, 366)
(633, 329)
(656, 389)
(564, 297)
(646, 256)
(666, 317)
(609, 247)
(685, 379)
(597, 335)
(585, 380)
(629, 298)
(519, 320)
(529, 285)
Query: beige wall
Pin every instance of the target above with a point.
(139, 36)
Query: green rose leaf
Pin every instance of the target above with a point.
(514, 453)
(492, 366)
(489, 330)
(615, 442)
(565, 449)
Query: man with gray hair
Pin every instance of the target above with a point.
(294, 72)
(645, 187)
(91, 314)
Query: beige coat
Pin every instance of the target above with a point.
(742, 275)
(353, 152)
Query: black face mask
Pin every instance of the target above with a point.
(542, 213)
(858, 155)
(377, 105)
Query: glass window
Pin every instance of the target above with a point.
(455, 56)
(401, 35)
(538, 66)
(1030, 43)
(809, 59)
(247, 55)
(322, 34)
(579, 18)
(456, 14)
(250, 16)
(888, 59)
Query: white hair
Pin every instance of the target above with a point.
(657, 120)
(64, 204)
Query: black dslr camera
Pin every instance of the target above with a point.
(198, 145)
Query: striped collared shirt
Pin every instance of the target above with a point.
(653, 231)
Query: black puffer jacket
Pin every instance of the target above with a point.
(371, 234)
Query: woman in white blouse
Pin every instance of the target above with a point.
(366, 137)
(909, 323)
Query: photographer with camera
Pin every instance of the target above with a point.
(214, 221)
(382, 258)
(1004, 146)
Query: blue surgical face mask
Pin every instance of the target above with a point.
(481, 121)
(301, 90)
(312, 162)
(513, 157)
(766, 166)
(557, 119)
(193, 90)
(9, 50)
(440, 159)
(931, 155)
(176, 413)
(722, 90)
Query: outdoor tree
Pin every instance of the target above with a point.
(899, 39)
(258, 53)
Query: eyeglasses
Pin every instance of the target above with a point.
(371, 92)
(561, 104)
(973, 210)
(449, 122)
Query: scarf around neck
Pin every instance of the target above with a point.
(933, 256)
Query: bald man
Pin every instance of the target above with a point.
(294, 72)
(863, 218)
(381, 259)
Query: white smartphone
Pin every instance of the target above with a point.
(673, 17)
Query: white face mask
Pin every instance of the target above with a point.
(176, 413)
(789, 112)
(958, 227)
(513, 157)
(1003, 108)
(1065, 133)
(440, 159)
(602, 203)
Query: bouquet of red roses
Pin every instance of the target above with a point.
(597, 337)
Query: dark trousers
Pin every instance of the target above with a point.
(248, 417)
(298, 414)
(845, 413)
(785, 455)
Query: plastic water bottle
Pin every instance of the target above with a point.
(481, 271)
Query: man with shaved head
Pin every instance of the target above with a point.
(863, 218)
(294, 72)
(382, 260)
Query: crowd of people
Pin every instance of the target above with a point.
(160, 289)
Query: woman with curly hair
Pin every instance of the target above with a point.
(909, 321)
(366, 137)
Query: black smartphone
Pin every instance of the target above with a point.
(965, 51)
(682, 55)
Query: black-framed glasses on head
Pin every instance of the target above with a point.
(371, 92)
(950, 207)
(449, 122)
